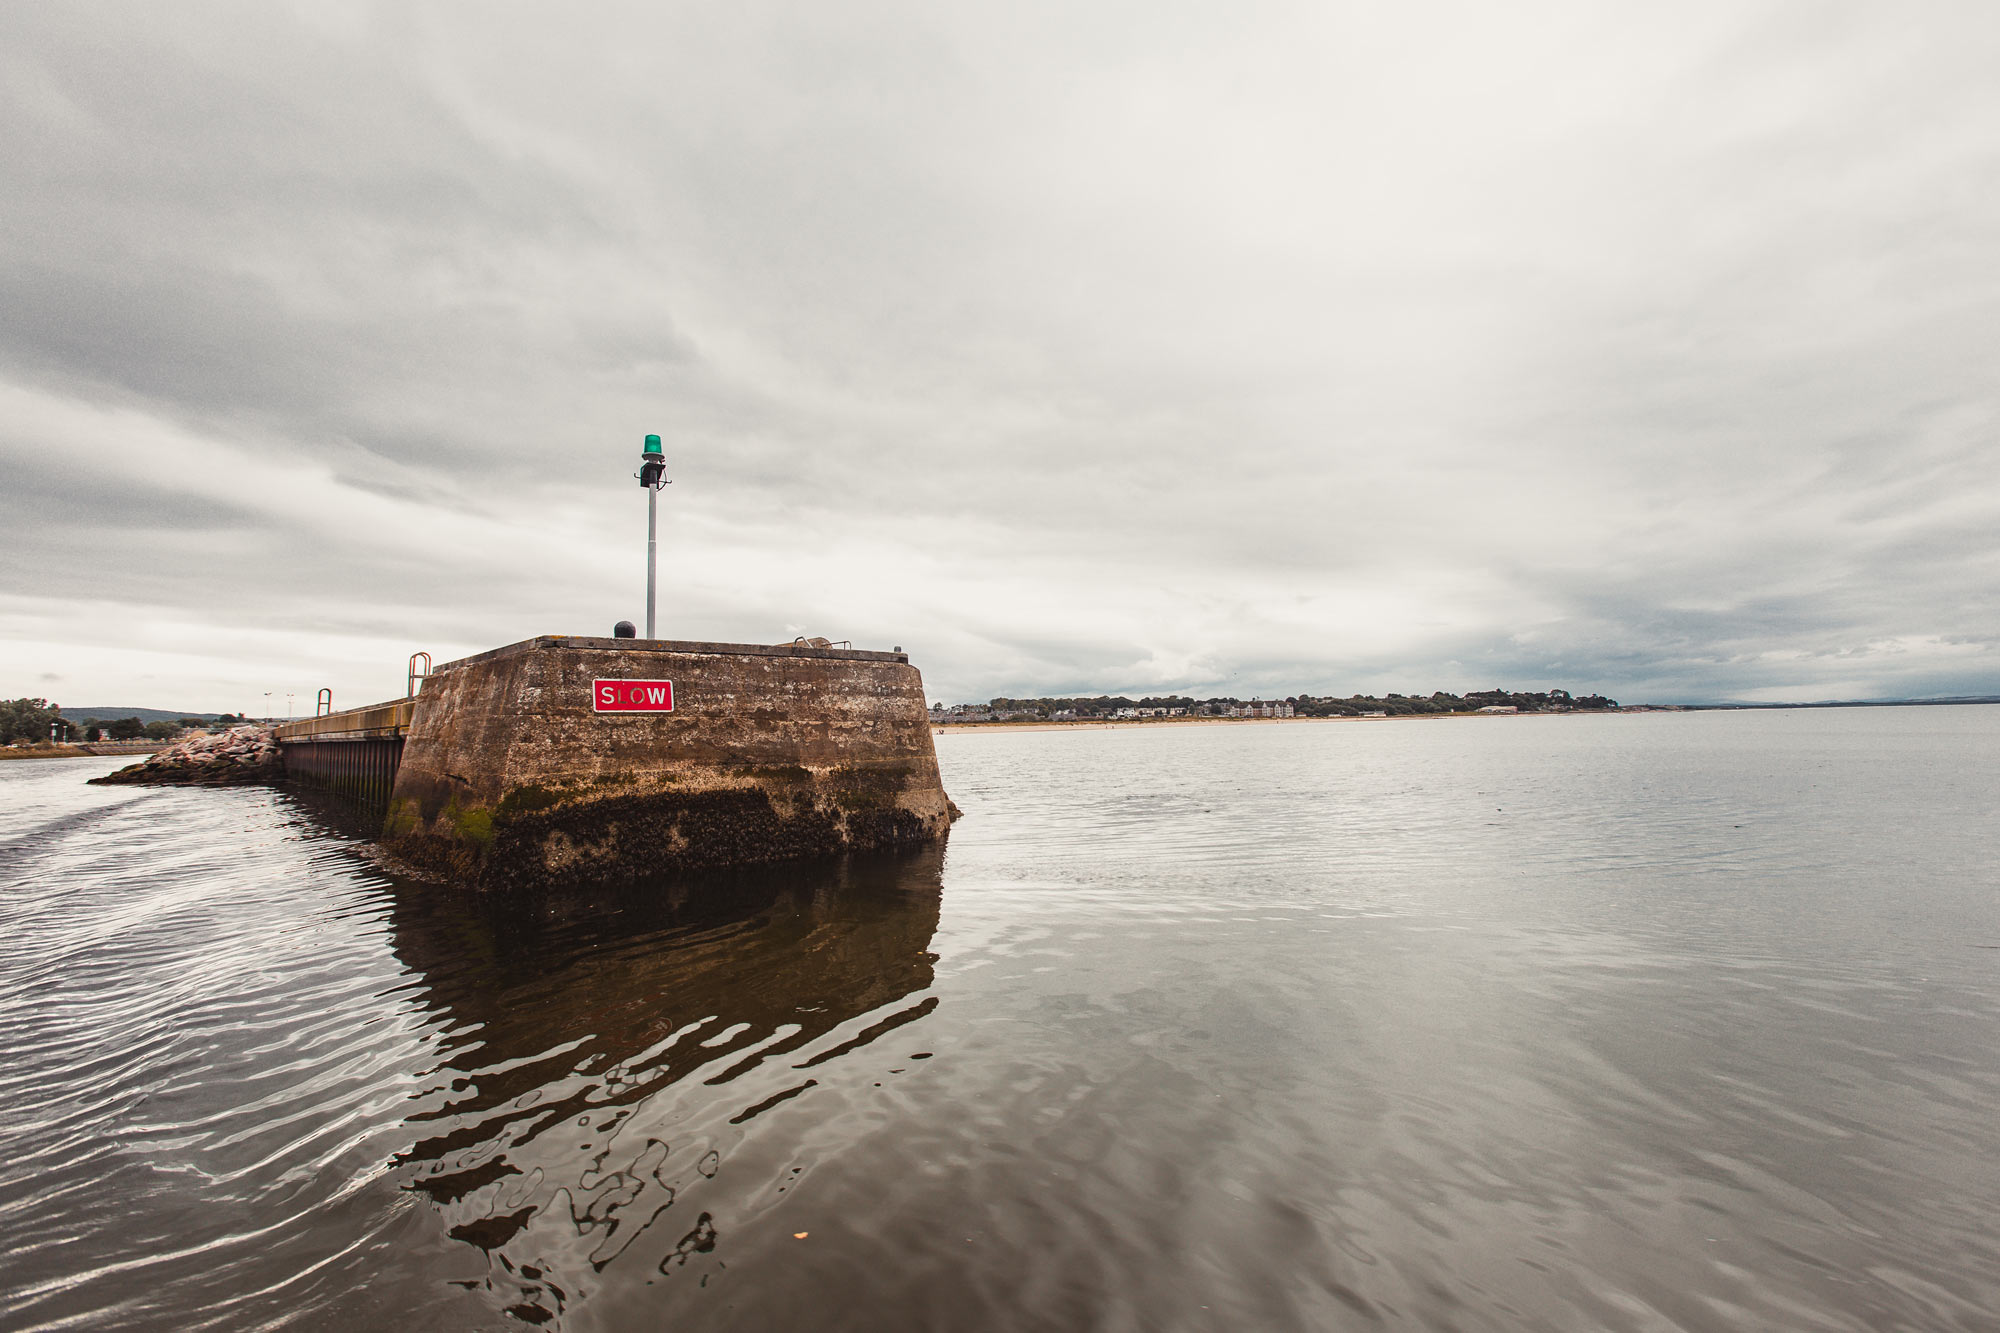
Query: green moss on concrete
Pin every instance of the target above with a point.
(474, 825)
(593, 841)
(403, 818)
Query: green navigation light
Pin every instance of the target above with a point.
(652, 472)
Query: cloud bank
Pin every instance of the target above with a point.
(1117, 347)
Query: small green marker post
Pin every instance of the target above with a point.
(651, 474)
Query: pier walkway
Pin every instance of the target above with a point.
(354, 754)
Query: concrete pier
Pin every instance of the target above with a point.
(509, 770)
(354, 754)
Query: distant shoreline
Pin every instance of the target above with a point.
(88, 750)
(1107, 724)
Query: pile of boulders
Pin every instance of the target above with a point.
(241, 754)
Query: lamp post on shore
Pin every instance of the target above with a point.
(652, 476)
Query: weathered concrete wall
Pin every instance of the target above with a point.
(509, 778)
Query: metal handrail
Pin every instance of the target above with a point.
(416, 675)
(324, 704)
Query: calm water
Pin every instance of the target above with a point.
(1634, 1022)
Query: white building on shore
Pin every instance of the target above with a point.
(1260, 708)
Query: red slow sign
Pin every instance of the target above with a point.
(633, 696)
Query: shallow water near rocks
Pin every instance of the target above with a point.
(1652, 1021)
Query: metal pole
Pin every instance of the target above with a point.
(652, 549)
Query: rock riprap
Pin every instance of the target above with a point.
(239, 755)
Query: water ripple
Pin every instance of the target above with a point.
(1585, 1023)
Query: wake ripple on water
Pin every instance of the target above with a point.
(238, 1054)
(186, 1066)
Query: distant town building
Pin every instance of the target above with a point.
(1259, 708)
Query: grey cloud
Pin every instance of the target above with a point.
(1306, 348)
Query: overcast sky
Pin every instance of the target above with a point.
(1128, 347)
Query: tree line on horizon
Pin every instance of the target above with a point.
(28, 721)
(1307, 705)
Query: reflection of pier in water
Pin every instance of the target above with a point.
(601, 1059)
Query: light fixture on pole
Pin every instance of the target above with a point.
(652, 476)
